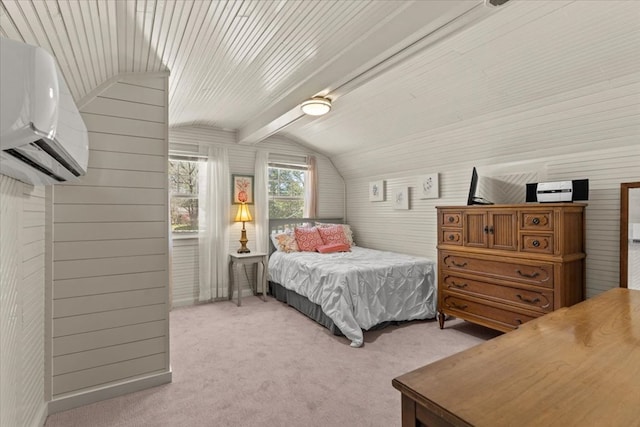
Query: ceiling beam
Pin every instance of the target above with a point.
(414, 27)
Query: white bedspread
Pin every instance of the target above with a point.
(361, 288)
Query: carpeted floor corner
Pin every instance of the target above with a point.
(265, 364)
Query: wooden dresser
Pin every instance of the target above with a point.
(503, 265)
(578, 366)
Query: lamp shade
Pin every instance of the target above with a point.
(243, 213)
(316, 106)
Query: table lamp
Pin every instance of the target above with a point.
(243, 215)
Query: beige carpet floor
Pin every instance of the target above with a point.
(265, 364)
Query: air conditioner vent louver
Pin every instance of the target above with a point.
(50, 151)
(24, 159)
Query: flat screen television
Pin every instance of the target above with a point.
(472, 199)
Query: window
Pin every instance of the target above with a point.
(183, 191)
(286, 190)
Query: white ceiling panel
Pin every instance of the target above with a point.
(393, 68)
(527, 52)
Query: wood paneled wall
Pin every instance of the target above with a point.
(22, 237)
(587, 133)
(110, 296)
(331, 203)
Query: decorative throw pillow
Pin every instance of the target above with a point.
(333, 234)
(333, 247)
(347, 231)
(285, 241)
(308, 239)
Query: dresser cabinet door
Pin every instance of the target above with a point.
(476, 229)
(491, 229)
(503, 230)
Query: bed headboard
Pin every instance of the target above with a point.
(282, 224)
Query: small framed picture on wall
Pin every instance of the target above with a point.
(376, 191)
(401, 198)
(427, 186)
(242, 189)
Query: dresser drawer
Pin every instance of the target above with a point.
(536, 220)
(451, 218)
(464, 308)
(536, 243)
(451, 236)
(535, 300)
(539, 274)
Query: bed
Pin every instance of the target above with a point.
(355, 291)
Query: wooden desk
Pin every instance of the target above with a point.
(237, 260)
(578, 366)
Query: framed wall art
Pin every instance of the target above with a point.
(401, 198)
(376, 191)
(428, 186)
(242, 189)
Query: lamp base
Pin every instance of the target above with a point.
(243, 241)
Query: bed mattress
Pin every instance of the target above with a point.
(360, 289)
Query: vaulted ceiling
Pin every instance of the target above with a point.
(392, 68)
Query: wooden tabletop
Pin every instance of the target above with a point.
(577, 366)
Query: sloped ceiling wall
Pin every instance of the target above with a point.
(528, 55)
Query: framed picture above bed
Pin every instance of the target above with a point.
(401, 198)
(242, 189)
(376, 191)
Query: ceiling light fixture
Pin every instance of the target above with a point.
(316, 106)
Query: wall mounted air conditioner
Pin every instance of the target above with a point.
(43, 139)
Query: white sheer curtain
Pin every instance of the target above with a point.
(310, 189)
(261, 201)
(214, 222)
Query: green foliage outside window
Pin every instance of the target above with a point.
(286, 192)
(183, 188)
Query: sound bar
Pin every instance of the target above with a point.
(580, 190)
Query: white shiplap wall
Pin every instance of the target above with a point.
(22, 236)
(110, 297)
(592, 132)
(185, 265)
(242, 160)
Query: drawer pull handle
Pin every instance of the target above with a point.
(464, 264)
(486, 229)
(451, 237)
(519, 321)
(535, 243)
(491, 230)
(458, 306)
(528, 276)
(459, 285)
(527, 300)
(450, 219)
(535, 221)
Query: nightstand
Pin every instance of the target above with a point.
(236, 260)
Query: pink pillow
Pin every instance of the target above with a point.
(308, 238)
(333, 234)
(333, 247)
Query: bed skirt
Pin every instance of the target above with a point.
(313, 310)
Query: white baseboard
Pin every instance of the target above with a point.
(108, 392)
